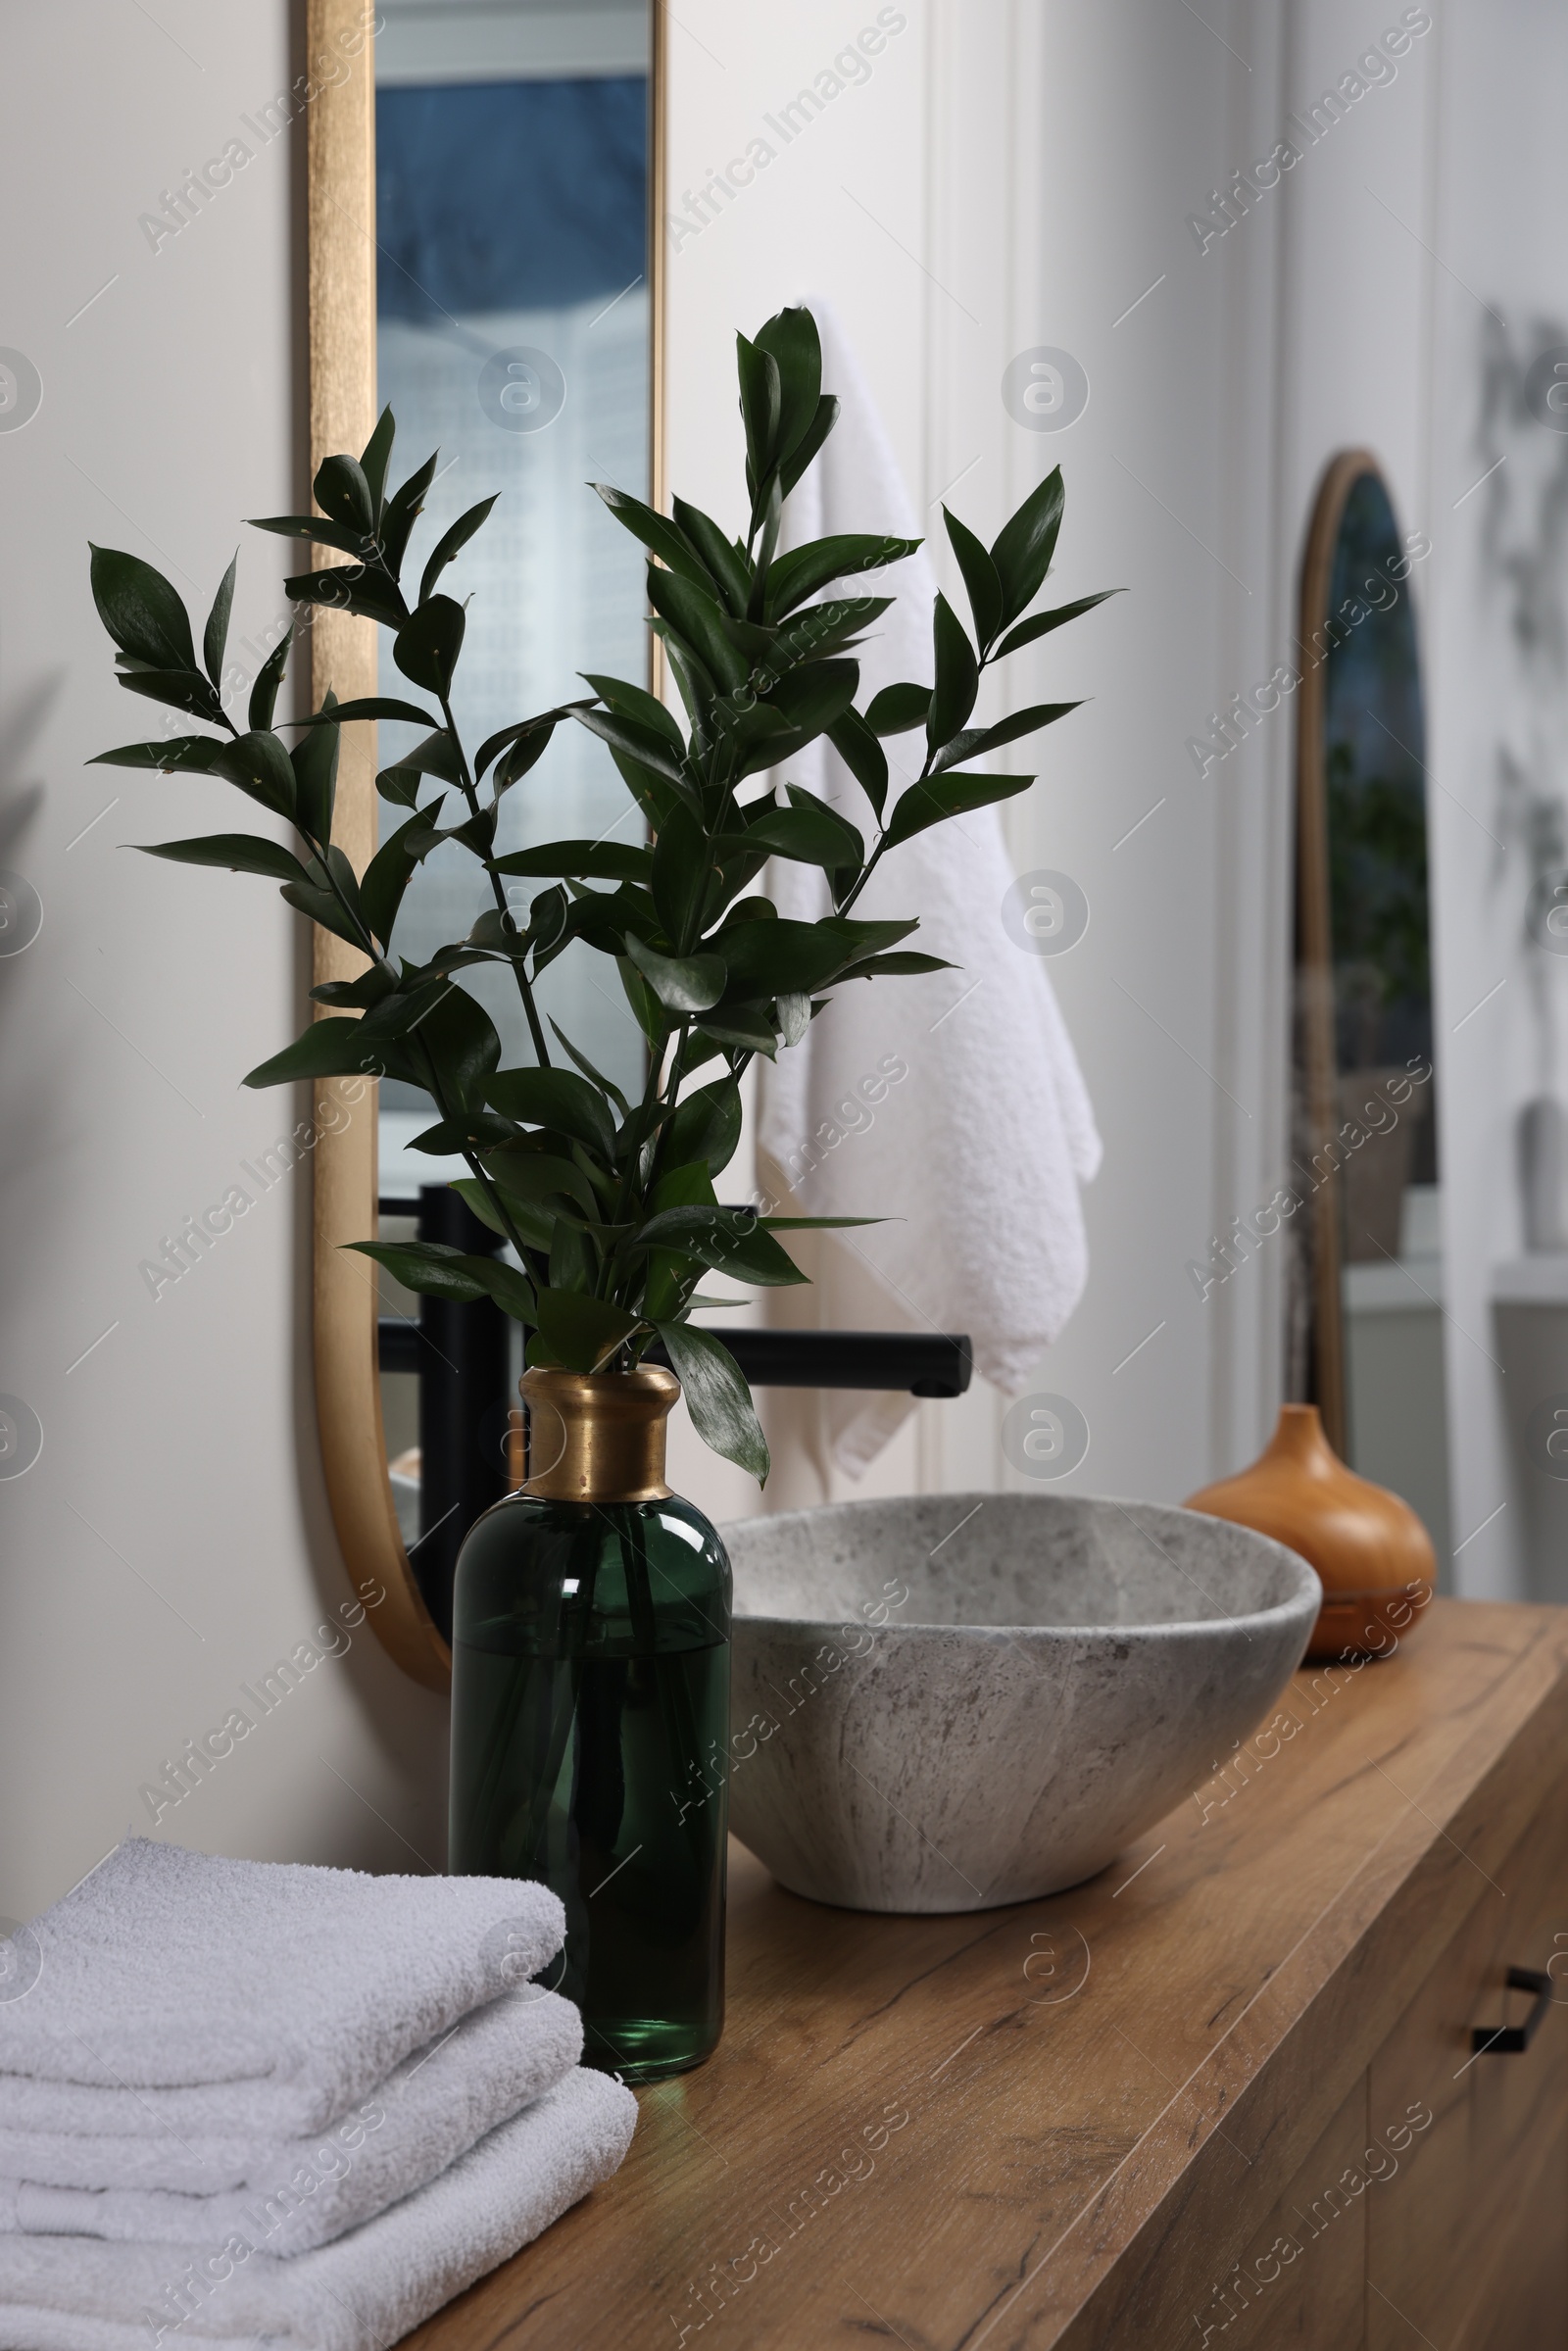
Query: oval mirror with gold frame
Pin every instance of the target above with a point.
(483, 177)
(1370, 1350)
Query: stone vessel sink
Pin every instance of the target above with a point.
(953, 1701)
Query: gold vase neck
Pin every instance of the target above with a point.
(598, 1436)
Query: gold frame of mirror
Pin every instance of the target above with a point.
(340, 237)
(1314, 936)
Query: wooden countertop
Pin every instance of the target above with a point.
(1038, 2125)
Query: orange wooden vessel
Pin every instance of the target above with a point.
(1371, 1552)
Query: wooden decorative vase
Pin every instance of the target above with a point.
(1372, 1554)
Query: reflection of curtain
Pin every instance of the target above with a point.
(508, 195)
(512, 213)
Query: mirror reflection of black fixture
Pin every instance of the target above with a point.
(464, 1356)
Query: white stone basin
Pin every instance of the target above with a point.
(953, 1701)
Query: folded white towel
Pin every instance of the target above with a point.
(181, 1992)
(361, 2293)
(952, 1103)
(288, 2195)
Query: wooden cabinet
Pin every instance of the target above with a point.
(1224, 2094)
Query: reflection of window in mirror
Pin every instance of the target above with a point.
(513, 328)
(1378, 1337)
(512, 334)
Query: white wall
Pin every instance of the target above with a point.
(172, 1541)
(1498, 212)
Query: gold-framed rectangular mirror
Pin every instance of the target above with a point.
(483, 185)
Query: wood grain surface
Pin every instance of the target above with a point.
(1063, 2122)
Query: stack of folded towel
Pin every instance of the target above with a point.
(242, 2103)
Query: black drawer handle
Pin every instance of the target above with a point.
(1512, 2040)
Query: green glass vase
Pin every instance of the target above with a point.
(590, 1716)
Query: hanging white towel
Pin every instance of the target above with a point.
(364, 2292)
(951, 1101)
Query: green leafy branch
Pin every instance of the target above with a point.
(608, 1205)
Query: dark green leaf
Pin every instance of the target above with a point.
(342, 491)
(582, 1333)
(807, 448)
(655, 532)
(375, 706)
(453, 541)
(948, 796)
(181, 689)
(480, 1129)
(512, 1290)
(814, 631)
(898, 709)
(815, 698)
(461, 1037)
(761, 404)
(574, 1264)
(857, 747)
(589, 1071)
(364, 992)
(536, 1178)
(438, 755)
(582, 860)
(376, 457)
(791, 338)
(427, 646)
(716, 1397)
(809, 833)
(432, 1267)
(333, 1048)
(980, 579)
(973, 742)
(801, 572)
(698, 690)
(141, 612)
(957, 676)
(706, 1127)
(1043, 623)
(349, 588)
(729, 1240)
(636, 703)
(772, 958)
(313, 759)
(401, 786)
(746, 1028)
(403, 510)
(260, 765)
(557, 1098)
(681, 983)
(629, 737)
(240, 853)
(387, 877)
(216, 638)
(1026, 544)
(269, 676)
(682, 864)
(903, 962)
(180, 755)
(695, 614)
(346, 539)
(725, 563)
(530, 738)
